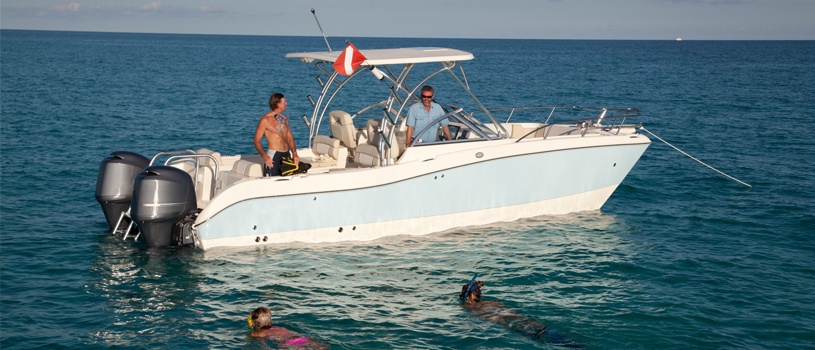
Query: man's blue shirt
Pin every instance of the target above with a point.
(418, 117)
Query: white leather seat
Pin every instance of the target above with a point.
(342, 128)
(209, 161)
(247, 168)
(367, 154)
(205, 185)
(328, 152)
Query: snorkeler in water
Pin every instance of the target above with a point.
(260, 320)
(496, 312)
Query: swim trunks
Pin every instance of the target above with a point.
(277, 160)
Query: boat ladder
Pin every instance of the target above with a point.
(129, 226)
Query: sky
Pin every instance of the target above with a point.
(505, 19)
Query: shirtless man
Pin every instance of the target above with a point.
(275, 127)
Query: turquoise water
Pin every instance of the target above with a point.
(679, 257)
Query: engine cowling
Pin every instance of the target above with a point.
(162, 195)
(114, 183)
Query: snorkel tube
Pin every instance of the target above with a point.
(470, 288)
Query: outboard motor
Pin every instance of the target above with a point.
(162, 195)
(114, 183)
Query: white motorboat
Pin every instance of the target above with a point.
(364, 183)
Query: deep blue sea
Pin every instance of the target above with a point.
(679, 257)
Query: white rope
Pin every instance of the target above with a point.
(692, 157)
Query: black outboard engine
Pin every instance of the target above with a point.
(162, 195)
(114, 183)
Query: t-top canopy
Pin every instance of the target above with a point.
(378, 57)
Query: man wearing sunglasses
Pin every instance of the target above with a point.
(421, 114)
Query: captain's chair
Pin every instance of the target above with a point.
(367, 154)
(342, 128)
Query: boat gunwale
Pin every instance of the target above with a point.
(507, 142)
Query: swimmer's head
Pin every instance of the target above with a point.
(259, 318)
(471, 292)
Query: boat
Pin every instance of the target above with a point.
(365, 182)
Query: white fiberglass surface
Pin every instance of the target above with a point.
(486, 185)
(378, 57)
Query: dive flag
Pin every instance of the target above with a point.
(349, 60)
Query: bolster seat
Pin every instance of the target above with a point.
(326, 146)
(327, 152)
(247, 168)
(367, 154)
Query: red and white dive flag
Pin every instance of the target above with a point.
(349, 60)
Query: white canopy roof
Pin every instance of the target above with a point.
(377, 57)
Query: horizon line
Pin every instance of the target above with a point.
(678, 38)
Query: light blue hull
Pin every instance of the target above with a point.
(475, 193)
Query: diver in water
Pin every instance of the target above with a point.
(498, 313)
(260, 320)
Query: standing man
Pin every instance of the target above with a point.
(421, 114)
(275, 127)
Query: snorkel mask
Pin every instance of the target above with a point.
(470, 287)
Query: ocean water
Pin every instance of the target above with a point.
(679, 257)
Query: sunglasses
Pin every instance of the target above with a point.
(426, 96)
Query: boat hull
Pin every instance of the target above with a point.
(472, 186)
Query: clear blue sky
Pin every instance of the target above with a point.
(536, 19)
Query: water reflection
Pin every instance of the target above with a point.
(147, 292)
(383, 294)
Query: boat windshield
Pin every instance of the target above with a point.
(462, 127)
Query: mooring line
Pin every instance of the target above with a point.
(694, 158)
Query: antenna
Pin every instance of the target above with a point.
(321, 29)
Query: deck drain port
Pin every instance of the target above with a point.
(257, 239)
(354, 228)
(340, 229)
(265, 238)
